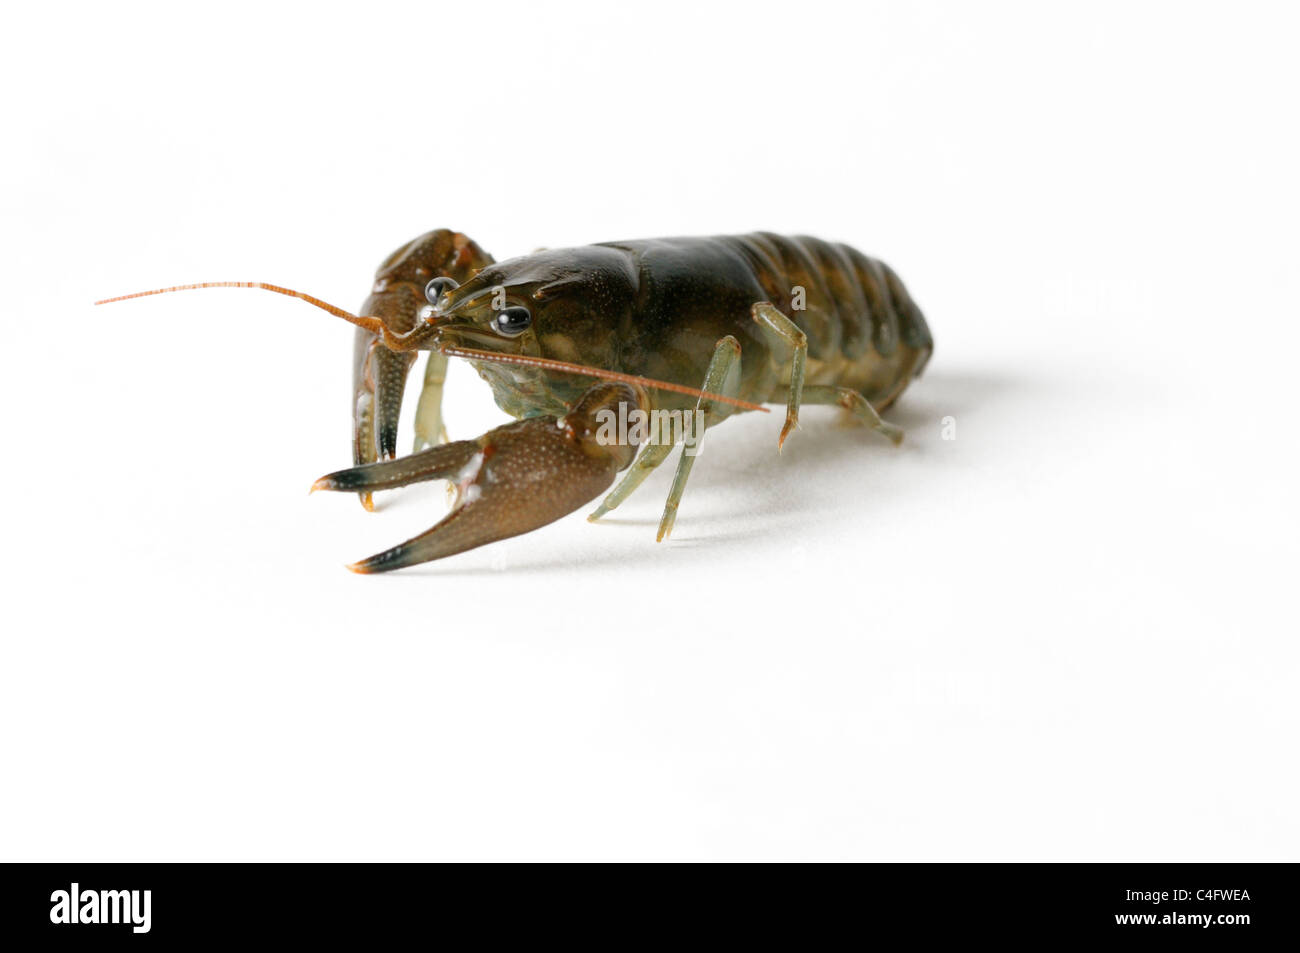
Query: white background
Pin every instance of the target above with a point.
(1069, 634)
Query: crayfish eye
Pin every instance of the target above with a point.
(513, 320)
(438, 287)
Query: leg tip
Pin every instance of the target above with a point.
(360, 568)
(367, 501)
(789, 428)
(666, 527)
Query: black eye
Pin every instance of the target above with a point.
(513, 320)
(437, 288)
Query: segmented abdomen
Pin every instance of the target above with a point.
(864, 330)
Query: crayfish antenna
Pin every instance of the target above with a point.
(395, 342)
(373, 325)
(584, 370)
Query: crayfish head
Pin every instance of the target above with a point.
(566, 305)
(397, 296)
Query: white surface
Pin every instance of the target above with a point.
(1068, 634)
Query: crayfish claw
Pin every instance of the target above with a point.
(512, 480)
(437, 463)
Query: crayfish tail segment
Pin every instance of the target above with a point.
(511, 480)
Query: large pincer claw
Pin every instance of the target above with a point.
(379, 379)
(379, 374)
(511, 480)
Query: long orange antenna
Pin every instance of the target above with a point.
(373, 325)
(376, 326)
(474, 354)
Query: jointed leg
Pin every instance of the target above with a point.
(856, 404)
(647, 460)
(786, 332)
(722, 377)
(429, 428)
